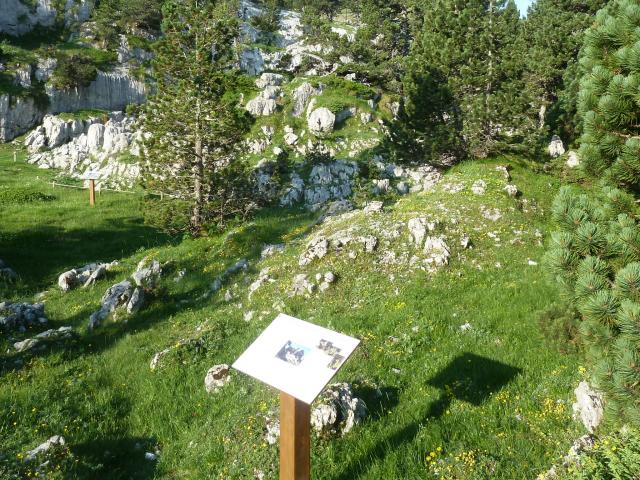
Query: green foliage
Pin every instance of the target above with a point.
(73, 71)
(610, 144)
(614, 457)
(122, 16)
(552, 37)
(595, 259)
(22, 196)
(196, 128)
(428, 128)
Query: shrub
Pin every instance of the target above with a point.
(73, 71)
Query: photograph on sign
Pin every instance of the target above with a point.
(296, 357)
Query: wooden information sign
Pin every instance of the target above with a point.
(299, 359)
(91, 176)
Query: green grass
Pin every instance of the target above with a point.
(489, 403)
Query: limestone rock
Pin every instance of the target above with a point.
(61, 333)
(479, 187)
(270, 250)
(301, 285)
(147, 274)
(269, 80)
(83, 276)
(21, 315)
(116, 296)
(418, 228)
(55, 441)
(301, 97)
(317, 248)
(573, 160)
(263, 278)
(588, 407)
(216, 378)
(337, 410)
(373, 207)
(261, 106)
(437, 251)
(321, 121)
(556, 147)
(511, 190)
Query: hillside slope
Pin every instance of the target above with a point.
(458, 380)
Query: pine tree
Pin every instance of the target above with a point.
(595, 256)
(193, 123)
(470, 46)
(608, 99)
(552, 36)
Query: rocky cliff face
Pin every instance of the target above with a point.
(16, 18)
(17, 115)
(109, 91)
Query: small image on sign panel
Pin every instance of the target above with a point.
(335, 362)
(293, 353)
(328, 347)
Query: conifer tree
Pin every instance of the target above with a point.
(471, 44)
(193, 123)
(595, 256)
(552, 36)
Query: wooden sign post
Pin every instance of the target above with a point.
(295, 438)
(92, 192)
(298, 358)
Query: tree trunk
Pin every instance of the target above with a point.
(198, 197)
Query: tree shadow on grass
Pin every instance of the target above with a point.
(115, 458)
(41, 253)
(469, 377)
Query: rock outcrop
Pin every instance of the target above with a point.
(588, 407)
(83, 276)
(321, 121)
(95, 144)
(20, 316)
(556, 147)
(20, 17)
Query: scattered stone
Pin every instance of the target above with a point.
(492, 214)
(301, 285)
(403, 188)
(53, 442)
(511, 190)
(150, 456)
(466, 327)
(147, 274)
(116, 296)
(532, 263)
(317, 248)
(83, 276)
(373, 207)
(228, 296)
(465, 241)
(589, 406)
(270, 250)
(136, 301)
(381, 186)
(329, 277)
(301, 97)
(248, 316)
(61, 333)
(263, 278)
(272, 424)
(418, 228)
(437, 251)
(20, 316)
(216, 378)
(504, 169)
(269, 80)
(556, 147)
(573, 160)
(338, 410)
(479, 187)
(321, 121)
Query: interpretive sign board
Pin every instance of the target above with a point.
(296, 357)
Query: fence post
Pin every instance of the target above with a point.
(92, 192)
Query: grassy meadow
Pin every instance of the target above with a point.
(487, 401)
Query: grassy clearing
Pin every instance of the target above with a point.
(489, 402)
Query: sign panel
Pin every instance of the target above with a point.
(296, 357)
(90, 175)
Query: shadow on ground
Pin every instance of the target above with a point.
(469, 378)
